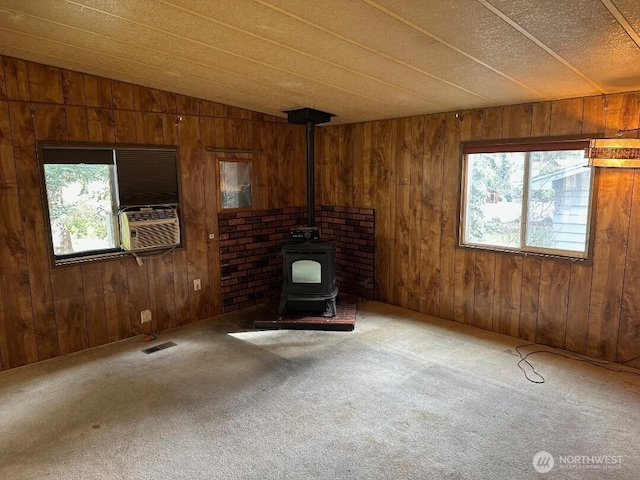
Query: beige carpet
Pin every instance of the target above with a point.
(403, 396)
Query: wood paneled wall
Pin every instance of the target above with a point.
(48, 312)
(408, 170)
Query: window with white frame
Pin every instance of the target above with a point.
(533, 197)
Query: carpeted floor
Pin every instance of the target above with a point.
(403, 396)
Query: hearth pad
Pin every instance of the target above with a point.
(344, 320)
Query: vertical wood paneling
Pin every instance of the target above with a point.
(122, 95)
(431, 219)
(94, 306)
(210, 130)
(628, 346)
(68, 303)
(578, 307)
(185, 105)
(371, 131)
(101, 124)
(3, 83)
(16, 78)
(45, 83)
(194, 181)
(611, 237)
(147, 99)
(138, 288)
(17, 331)
(449, 214)
(465, 259)
(401, 206)
(298, 165)
(149, 128)
(161, 291)
(125, 124)
(295, 164)
(77, 124)
(97, 92)
(329, 163)
(116, 300)
(274, 177)
(552, 304)
(345, 166)
(415, 180)
(358, 165)
(385, 178)
(33, 227)
(261, 193)
(73, 88)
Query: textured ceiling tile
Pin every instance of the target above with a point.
(362, 60)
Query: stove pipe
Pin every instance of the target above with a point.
(309, 117)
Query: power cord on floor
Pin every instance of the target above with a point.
(569, 356)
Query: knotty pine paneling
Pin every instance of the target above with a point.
(47, 312)
(583, 307)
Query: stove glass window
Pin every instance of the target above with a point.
(306, 271)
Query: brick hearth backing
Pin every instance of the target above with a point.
(251, 261)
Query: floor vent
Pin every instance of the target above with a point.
(162, 346)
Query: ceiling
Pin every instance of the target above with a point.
(358, 59)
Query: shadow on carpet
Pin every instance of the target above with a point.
(345, 319)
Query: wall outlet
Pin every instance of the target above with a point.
(196, 284)
(145, 316)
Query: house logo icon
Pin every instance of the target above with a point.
(543, 462)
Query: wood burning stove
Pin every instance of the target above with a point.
(309, 277)
(308, 266)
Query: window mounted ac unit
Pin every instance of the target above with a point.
(149, 228)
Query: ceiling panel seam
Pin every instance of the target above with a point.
(306, 54)
(311, 79)
(617, 14)
(128, 60)
(372, 50)
(423, 31)
(541, 44)
(128, 44)
(288, 72)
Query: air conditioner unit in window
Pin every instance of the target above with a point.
(148, 228)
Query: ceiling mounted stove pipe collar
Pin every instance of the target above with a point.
(309, 117)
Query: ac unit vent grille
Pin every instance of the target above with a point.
(158, 235)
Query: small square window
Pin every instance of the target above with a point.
(236, 178)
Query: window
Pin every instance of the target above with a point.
(87, 187)
(527, 197)
(235, 184)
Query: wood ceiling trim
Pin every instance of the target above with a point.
(542, 45)
(621, 19)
